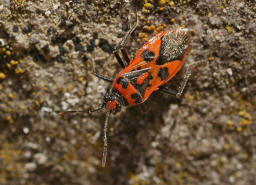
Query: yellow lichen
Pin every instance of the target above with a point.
(159, 28)
(143, 35)
(19, 71)
(80, 79)
(230, 123)
(9, 159)
(161, 2)
(227, 146)
(245, 156)
(13, 62)
(149, 28)
(246, 118)
(147, 5)
(3, 49)
(210, 58)
(70, 87)
(2, 75)
(245, 114)
(10, 95)
(8, 53)
(9, 66)
(171, 3)
(239, 129)
(229, 28)
(134, 179)
(189, 98)
(245, 122)
(19, 2)
(160, 8)
(178, 165)
(9, 119)
(37, 102)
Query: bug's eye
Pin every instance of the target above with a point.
(148, 55)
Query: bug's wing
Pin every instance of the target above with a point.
(134, 74)
(140, 80)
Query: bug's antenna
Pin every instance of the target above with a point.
(105, 150)
(81, 111)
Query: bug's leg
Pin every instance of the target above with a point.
(168, 91)
(105, 150)
(121, 44)
(178, 93)
(125, 55)
(185, 80)
(119, 60)
(108, 79)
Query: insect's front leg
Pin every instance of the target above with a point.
(121, 45)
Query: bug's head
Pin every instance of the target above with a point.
(112, 103)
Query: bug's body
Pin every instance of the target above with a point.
(155, 64)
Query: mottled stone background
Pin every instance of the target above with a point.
(206, 137)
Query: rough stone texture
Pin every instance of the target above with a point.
(208, 136)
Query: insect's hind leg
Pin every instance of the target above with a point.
(185, 80)
(168, 91)
(178, 93)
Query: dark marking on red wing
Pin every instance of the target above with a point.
(160, 60)
(142, 87)
(120, 97)
(163, 73)
(148, 55)
(131, 77)
(136, 97)
(123, 82)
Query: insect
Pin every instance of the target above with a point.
(155, 63)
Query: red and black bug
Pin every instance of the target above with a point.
(155, 63)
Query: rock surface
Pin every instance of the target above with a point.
(208, 136)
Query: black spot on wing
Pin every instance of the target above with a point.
(163, 73)
(137, 97)
(148, 55)
(123, 82)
